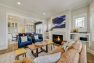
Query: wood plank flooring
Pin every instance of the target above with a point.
(90, 58)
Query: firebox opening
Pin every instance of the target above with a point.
(57, 39)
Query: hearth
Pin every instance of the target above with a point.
(57, 39)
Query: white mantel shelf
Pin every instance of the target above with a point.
(81, 35)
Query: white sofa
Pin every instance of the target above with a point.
(75, 54)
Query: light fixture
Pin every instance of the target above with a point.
(19, 3)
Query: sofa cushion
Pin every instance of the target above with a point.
(59, 49)
(78, 46)
(83, 55)
(70, 56)
(68, 45)
(53, 58)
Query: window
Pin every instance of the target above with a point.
(28, 28)
(79, 22)
(12, 27)
(39, 28)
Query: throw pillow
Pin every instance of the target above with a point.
(67, 45)
(24, 38)
(53, 58)
(36, 37)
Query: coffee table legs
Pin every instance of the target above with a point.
(46, 48)
(35, 53)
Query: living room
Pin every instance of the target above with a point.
(44, 31)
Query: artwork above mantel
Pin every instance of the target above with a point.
(59, 22)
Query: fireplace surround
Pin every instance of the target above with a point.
(57, 38)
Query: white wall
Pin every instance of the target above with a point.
(92, 25)
(45, 24)
(81, 12)
(92, 19)
(3, 29)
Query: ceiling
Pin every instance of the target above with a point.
(50, 7)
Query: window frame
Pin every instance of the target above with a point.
(81, 23)
(38, 23)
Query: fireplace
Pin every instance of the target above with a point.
(57, 39)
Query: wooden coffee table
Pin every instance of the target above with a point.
(36, 47)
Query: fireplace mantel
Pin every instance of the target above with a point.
(59, 32)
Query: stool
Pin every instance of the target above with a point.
(19, 52)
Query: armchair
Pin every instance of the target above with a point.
(37, 38)
(24, 40)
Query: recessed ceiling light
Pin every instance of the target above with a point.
(19, 3)
(44, 13)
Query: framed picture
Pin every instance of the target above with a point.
(59, 22)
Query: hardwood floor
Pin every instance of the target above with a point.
(11, 47)
(10, 57)
(90, 58)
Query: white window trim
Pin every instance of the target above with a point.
(80, 24)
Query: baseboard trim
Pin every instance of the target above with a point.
(90, 51)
